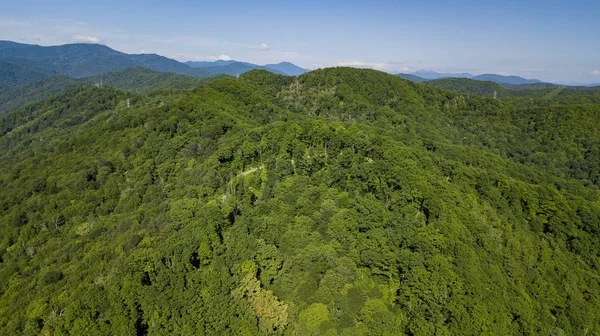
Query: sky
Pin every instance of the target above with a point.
(556, 41)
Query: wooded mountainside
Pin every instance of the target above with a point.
(338, 202)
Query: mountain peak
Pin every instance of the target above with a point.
(502, 79)
(287, 68)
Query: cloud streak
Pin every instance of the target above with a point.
(214, 58)
(387, 67)
(260, 47)
(595, 73)
(86, 39)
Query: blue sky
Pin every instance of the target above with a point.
(551, 40)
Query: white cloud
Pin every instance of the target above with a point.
(595, 73)
(213, 58)
(373, 65)
(260, 47)
(359, 64)
(86, 39)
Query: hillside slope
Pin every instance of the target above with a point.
(15, 97)
(287, 68)
(471, 86)
(413, 78)
(529, 95)
(82, 60)
(235, 68)
(501, 79)
(136, 80)
(339, 202)
(141, 80)
(14, 74)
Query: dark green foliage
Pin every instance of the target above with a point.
(14, 74)
(13, 98)
(51, 277)
(141, 80)
(530, 86)
(339, 202)
(136, 80)
(466, 85)
(524, 94)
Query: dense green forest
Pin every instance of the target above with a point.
(486, 88)
(136, 80)
(12, 73)
(542, 93)
(17, 96)
(143, 81)
(338, 202)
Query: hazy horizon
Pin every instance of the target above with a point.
(545, 40)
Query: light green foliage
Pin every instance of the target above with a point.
(271, 313)
(311, 319)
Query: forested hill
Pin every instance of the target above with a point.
(487, 88)
(339, 202)
(143, 81)
(82, 60)
(550, 93)
(15, 97)
(509, 80)
(14, 74)
(410, 77)
(506, 81)
(136, 80)
(236, 68)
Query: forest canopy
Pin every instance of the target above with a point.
(339, 202)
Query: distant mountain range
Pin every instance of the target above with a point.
(287, 68)
(428, 74)
(208, 64)
(21, 64)
(83, 60)
(25, 63)
(421, 76)
(413, 78)
(500, 79)
(234, 68)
